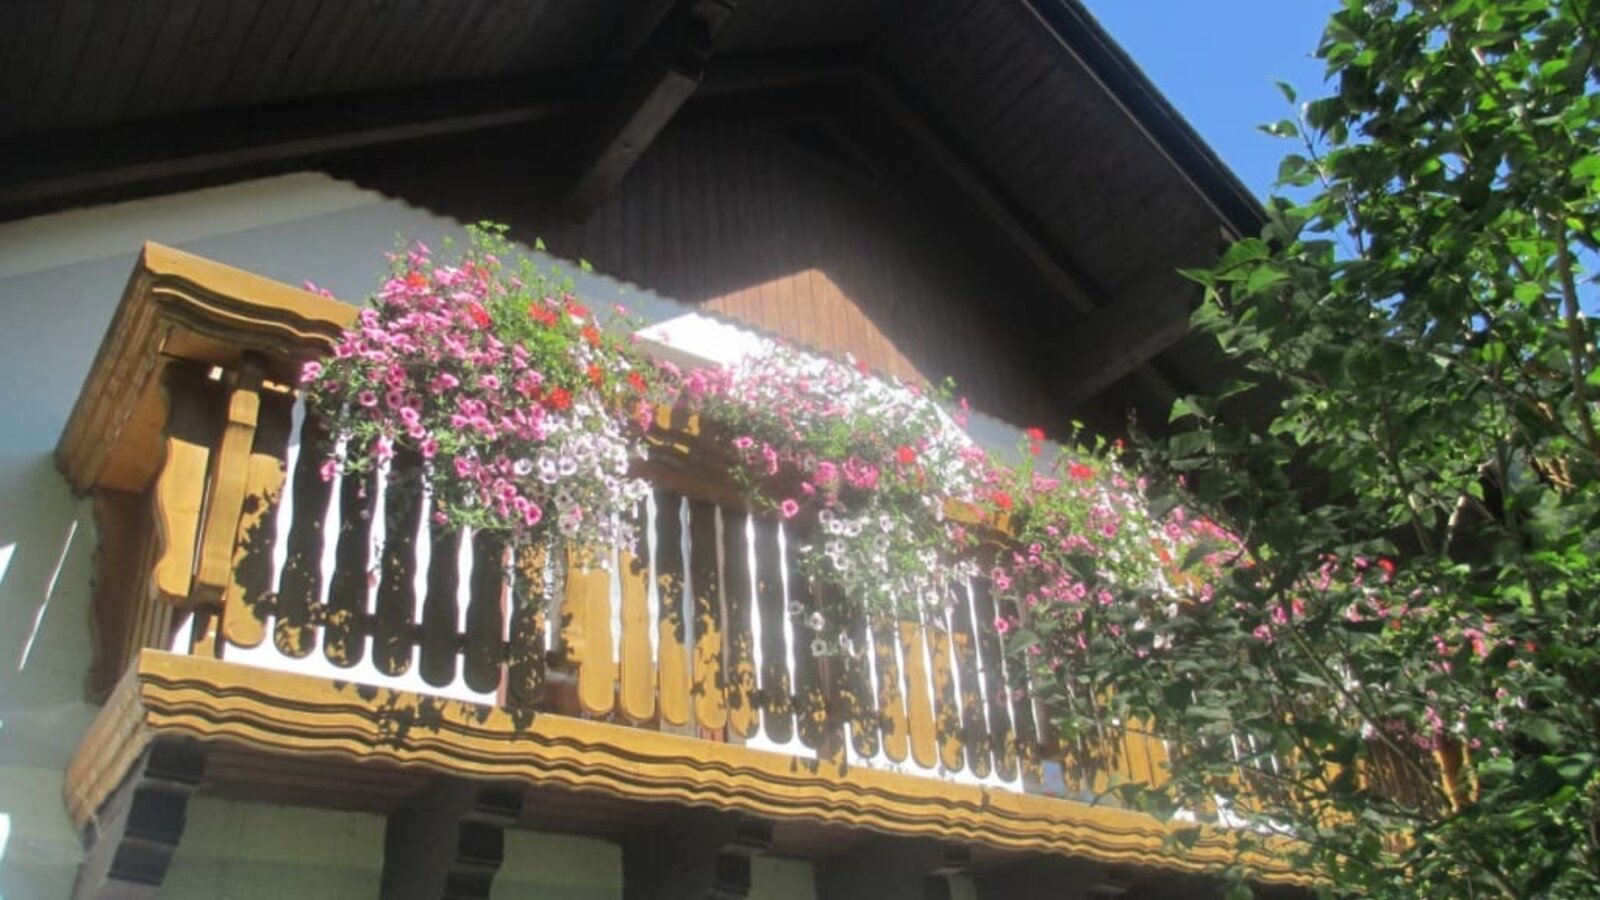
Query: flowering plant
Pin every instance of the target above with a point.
(481, 381)
(870, 463)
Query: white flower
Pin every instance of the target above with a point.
(816, 621)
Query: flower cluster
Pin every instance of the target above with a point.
(867, 465)
(1093, 556)
(481, 381)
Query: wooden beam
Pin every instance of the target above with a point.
(1078, 294)
(1119, 338)
(49, 172)
(449, 840)
(887, 869)
(665, 73)
(131, 839)
(701, 855)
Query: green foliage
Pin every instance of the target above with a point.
(1413, 334)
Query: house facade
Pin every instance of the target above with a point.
(988, 191)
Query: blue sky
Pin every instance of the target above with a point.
(1216, 60)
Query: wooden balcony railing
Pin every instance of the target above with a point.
(221, 540)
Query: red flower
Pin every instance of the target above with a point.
(542, 314)
(905, 455)
(479, 315)
(1035, 434)
(1080, 472)
(560, 399)
(577, 309)
(1001, 499)
(1387, 565)
(591, 334)
(861, 367)
(416, 280)
(597, 375)
(637, 381)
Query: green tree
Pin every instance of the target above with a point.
(1403, 672)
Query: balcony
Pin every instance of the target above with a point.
(264, 634)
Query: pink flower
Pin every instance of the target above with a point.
(329, 468)
(368, 399)
(1002, 625)
(310, 372)
(789, 508)
(429, 448)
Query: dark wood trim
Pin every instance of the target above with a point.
(1117, 339)
(449, 840)
(666, 71)
(888, 869)
(131, 839)
(700, 855)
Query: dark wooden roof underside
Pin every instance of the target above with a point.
(1047, 121)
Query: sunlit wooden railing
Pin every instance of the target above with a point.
(700, 629)
(220, 538)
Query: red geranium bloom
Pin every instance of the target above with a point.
(597, 375)
(905, 455)
(591, 334)
(416, 280)
(637, 381)
(1002, 499)
(1386, 564)
(560, 399)
(479, 315)
(1035, 434)
(1080, 472)
(577, 309)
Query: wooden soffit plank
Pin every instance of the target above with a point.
(281, 712)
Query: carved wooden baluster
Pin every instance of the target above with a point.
(588, 632)
(227, 485)
(485, 613)
(856, 683)
(246, 602)
(672, 667)
(344, 635)
(436, 661)
(891, 697)
(638, 671)
(300, 581)
(711, 705)
(996, 679)
(525, 656)
(974, 727)
(776, 695)
(179, 491)
(947, 711)
(397, 593)
(743, 716)
(1019, 682)
(817, 729)
(919, 697)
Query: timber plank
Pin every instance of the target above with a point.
(397, 593)
(710, 701)
(974, 725)
(743, 716)
(891, 698)
(673, 629)
(777, 704)
(919, 699)
(485, 612)
(947, 712)
(344, 632)
(300, 581)
(588, 635)
(525, 654)
(246, 603)
(440, 606)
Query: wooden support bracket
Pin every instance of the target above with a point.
(131, 839)
(664, 74)
(449, 840)
(701, 855)
(893, 870)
